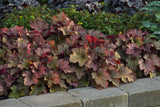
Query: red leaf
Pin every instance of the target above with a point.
(4, 30)
(56, 79)
(92, 39)
(29, 49)
(89, 38)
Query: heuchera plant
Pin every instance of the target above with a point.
(37, 61)
(138, 52)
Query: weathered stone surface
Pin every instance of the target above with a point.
(143, 92)
(12, 103)
(58, 99)
(110, 97)
(157, 78)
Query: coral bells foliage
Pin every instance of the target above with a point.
(138, 52)
(37, 61)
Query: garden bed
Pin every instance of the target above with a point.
(67, 49)
(141, 93)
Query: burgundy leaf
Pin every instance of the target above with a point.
(92, 63)
(16, 30)
(156, 60)
(64, 66)
(39, 25)
(29, 78)
(147, 66)
(9, 80)
(133, 49)
(135, 33)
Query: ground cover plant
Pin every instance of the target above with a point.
(104, 22)
(23, 17)
(37, 61)
(52, 53)
(152, 20)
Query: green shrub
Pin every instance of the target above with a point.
(151, 22)
(106, 23)
(22, 18)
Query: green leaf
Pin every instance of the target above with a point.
(2, 52)
(83, 82)
(79, 55)
(38, 89)
(132, 63)
(158, 17)
(18, 91)
(56, 88)
(154, 36)
(101, 77)
(52, 64)
(156, 32)
(24, 65)
(148, 24)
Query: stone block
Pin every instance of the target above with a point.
(12, 103)
(143, 92)
(58, 99)
(110, 97)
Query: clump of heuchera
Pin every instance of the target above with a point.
(138, 52)
(63, 55)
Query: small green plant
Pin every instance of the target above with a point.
(152, 23)
(23, 17)
(107, 23)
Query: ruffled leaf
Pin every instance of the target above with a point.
(79, 55)
(38, 25)
(38, 89)
(101, 77)
(29, 78)
(80, 71)
(53, 63)
(126, 74)
(156, 60)
(18, 91)
(147, 66)
(64, 65)
(92, 63)
(133, 49)
(24, 65)
(56, 88)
